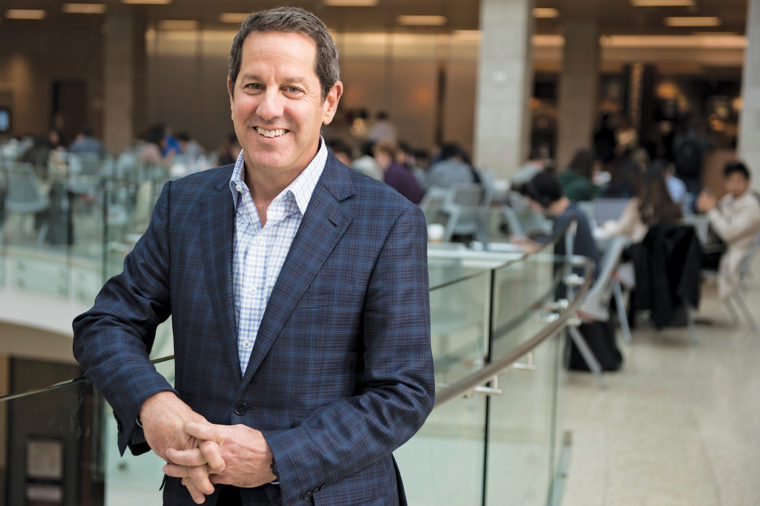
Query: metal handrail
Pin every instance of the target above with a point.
(473, 381)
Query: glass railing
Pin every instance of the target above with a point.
(493, 437)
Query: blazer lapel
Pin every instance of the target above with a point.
(322, 226)
(217, 232)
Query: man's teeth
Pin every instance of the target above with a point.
(271, 133)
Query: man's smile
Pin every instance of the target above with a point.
(277, 132)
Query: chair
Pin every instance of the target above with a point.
(465, 210)
(737, 297)
(24, 195)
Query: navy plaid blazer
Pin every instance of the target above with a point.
(341, 373)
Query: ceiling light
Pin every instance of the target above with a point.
(233, 17)
(146, 2)
(178, 24)
(351, 3)
(692, 21)
(25, 14)
(422, 20)
(84, 8)
(662, 3)
(545, 12)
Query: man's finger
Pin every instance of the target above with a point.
(192, 457)
(205, 431)
(176, 471)
(213, 455)
(197, 495)
(199, 476)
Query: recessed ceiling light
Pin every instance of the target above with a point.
(662, 3)
(351, 3)
(233, 17)
(692, 21)
(146, 2)
(25, 14)
(74, 8)
(545, 12)
(178, 24)
(422, 20)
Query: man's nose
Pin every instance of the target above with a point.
(270, 106)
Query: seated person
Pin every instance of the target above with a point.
(544, 195)
(577, 180)
(652, 205)
(735, 219)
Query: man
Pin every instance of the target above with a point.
(450, 170)
(299, 301)
(735, 219)
(395, 175)
(84, 142)
(544, 195)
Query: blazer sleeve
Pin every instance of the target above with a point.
(113, 339)
(397, 387)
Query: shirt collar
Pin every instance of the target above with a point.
(302, 187)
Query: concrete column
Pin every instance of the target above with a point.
(578, 87)
(749, 121)
(505, 77)
(124, 79)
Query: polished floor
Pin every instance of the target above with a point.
(679, 425)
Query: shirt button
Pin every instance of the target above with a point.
(239, 188)
(252, 290)
(258, 240)
(246, 345)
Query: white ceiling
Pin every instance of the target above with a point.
(614, 16)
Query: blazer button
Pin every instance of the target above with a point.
(241, 408)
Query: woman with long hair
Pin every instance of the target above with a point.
(651, 206)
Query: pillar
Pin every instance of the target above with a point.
(749, 121)
(578, 85)
(124, 79)
(505, 78)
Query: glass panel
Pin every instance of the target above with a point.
(520, 288)
(459, 325)
(62, 446)
(443, 463)
(521, 430)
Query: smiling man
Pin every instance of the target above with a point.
(299, 301)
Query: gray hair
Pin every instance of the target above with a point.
(290, 20)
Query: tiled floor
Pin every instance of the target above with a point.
(679, 425)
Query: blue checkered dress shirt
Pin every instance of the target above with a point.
(259, 252)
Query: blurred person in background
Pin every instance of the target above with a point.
(652, 205)
(577, 180)
(152, 146)
(735, 219)
(544, 194)
(382, 129)
(395, 175)
(366, 163)
(85, 142)
(451, 169)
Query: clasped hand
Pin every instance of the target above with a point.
(202, 453)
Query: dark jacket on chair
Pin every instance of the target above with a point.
(667, 264)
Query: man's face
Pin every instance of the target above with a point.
(736, 184)
(277, 107)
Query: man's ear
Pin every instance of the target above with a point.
(331, 102)
(230, 92)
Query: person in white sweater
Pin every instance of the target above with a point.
(735, 219)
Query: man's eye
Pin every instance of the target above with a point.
(254, 86)
(292, 89)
